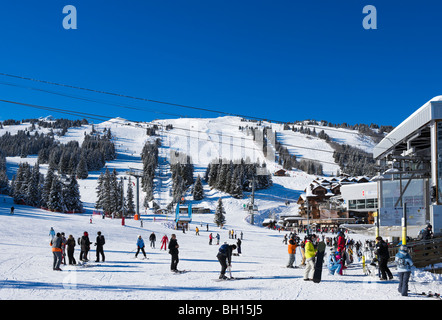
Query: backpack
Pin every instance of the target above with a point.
(420, 236)
(223, 249)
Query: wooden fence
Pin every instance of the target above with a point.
(425, 253)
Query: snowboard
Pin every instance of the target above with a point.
(319, 261)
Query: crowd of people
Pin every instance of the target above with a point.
(62, 247)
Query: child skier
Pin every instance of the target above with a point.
(404, 264)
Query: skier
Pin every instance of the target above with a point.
(310, 253)
(140, 246)
(217, 238)
(63, 248)
(238, 245)
(152, 239)
(70, 243)
(383, 256)
(164, 242)
(225, 258)
(197, 231)
(85, 246)
(52, 233)
(292, 252)
(210, 239)
(12, 210)
(404, 264)
(99, 242)
(56, 243)
(173, 250)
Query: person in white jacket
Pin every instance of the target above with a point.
(404, 264)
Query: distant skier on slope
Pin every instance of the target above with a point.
(164, 242)
(152, 239)
(225, 258)
(140, 246)
(52, 233)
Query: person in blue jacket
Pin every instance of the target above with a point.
(140, 246)
(404, 264)
(334, 262)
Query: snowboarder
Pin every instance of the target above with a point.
(173, 250)
(99, 242)
(225, 258)
(310, 253)
(319, 261)
(140, 246)
(152, 239)
(383, 256)
(404, 264)
(85, 246)
(56, 243)
(70, 243)
(292, 252)
(164, 242)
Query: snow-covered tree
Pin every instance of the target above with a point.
(82, 170)
(55, 201)
(71, 196)
(130, 198)
(219, 217)
(198, 191)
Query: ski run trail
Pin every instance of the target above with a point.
(26, 257)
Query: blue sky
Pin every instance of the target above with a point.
(281, 60)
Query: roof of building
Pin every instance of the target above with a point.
(432, 110)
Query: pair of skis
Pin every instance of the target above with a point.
(431, 295)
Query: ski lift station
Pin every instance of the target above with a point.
(410, 174)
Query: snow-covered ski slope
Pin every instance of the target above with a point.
(26, 258)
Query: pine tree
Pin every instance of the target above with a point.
(82, 170)
(71, 196)
(100, 192)
(33, 190)
(198, 191)
(55, 201)
(130, 198)
(219, 217)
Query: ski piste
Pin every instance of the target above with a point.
(319, 261)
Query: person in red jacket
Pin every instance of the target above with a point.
(341, 248)
(164, 242)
